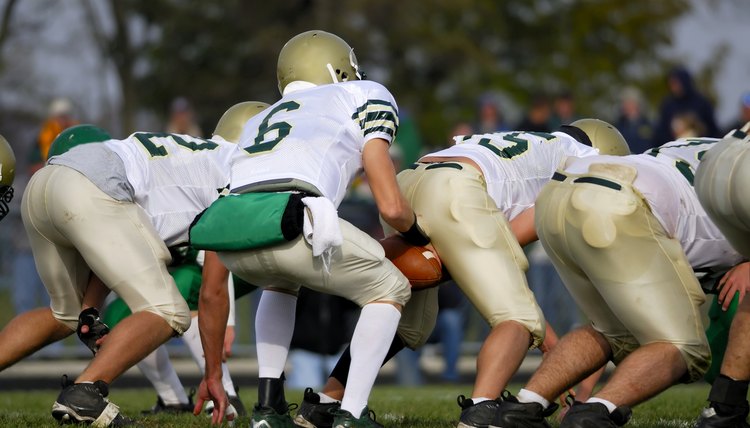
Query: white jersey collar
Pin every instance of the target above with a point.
(297, 85)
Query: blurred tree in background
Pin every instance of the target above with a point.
(436, 56)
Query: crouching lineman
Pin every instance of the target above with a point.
(311, 144)
(110, 210)
(625, 234)
(721, 183)
(475, 200)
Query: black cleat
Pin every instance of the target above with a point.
(314, 414)
(513, 414)
(344, 419)
(87, 403)
(267, 417)
(595, 415)
(238, 406)
(723, 416)
(478, 415)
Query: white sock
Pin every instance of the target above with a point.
(326, 398)
(610, 406)
(192, 339)
(226, 380)
(274, 325)
(477, 400)
(159, 371)
(526, 396)
(372, 337)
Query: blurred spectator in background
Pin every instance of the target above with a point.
(538, 117)
(408, 140)
(683, 98)
(633, 123)
(449, 329)
(324, 327)
(490, 115)
(565, 110)
(744, 116)
(182, 118)
(687, 125)
(60, 116)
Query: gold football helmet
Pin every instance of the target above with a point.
(7, 173)
(603, 137)
(317, 57)
(233, 120)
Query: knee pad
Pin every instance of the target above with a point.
(418, 318)
(697, 358)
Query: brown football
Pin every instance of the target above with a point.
(420, 265)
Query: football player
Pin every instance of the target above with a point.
(110, 210)
(327, 126)
(625, 234)
(721, 183)
(186, 269)
(475, 200)
(7, 173)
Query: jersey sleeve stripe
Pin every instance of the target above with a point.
(377, 116)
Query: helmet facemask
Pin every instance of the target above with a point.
(6, 195)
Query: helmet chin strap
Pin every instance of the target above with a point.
(333, 73)
(6, 195)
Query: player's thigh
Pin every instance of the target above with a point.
(120, 245)
(62, 269)
(552, 206)
(476, 244)
(358, 269)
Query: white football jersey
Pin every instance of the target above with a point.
(174, 177)
(665, 179)
(315, 135)
(516, 165)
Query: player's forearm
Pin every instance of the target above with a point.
(213, 309)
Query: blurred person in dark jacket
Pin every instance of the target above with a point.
(683, 97)
(633, 123)
(537, 118)
(744, 115)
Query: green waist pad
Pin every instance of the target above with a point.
(248, 221)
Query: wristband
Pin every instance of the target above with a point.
(415, 235)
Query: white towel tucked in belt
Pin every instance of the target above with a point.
(322, 231)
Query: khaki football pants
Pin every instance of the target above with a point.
(75, 229)
(630, 279)
(721, 183)
(358, 270)
(476, 245)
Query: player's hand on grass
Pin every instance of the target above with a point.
(737, 280)
(211, 389)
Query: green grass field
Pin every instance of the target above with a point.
(430, 406)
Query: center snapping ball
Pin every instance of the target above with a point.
(420, 265)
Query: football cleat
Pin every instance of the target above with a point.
(595, 415)
(513, 414)
(267, 417)
(344, 419)
(476, 415)
(314, 414)
(87, 403)
(717, 416)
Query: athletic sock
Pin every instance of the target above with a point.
(375, 330)
(326, 398)
(610, 405)
(192, 339)
(477, 400)
(226, 380)
(526, 396)
(274, 325)
(159, 371)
